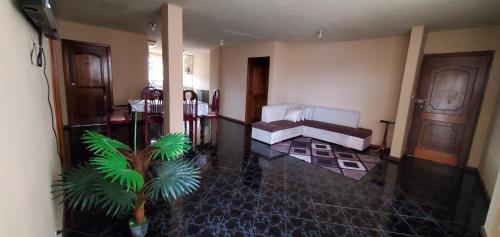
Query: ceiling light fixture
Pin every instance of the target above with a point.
(321, 34)
(152, 43)
(153, 26)
(221, 43)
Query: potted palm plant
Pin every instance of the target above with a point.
(120, 181)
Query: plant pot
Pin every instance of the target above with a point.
(139, 230)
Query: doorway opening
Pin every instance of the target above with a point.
(447, 104)
(257, 88)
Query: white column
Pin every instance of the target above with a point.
(410, 77)
(172, 45)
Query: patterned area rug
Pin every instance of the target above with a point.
(342, 161)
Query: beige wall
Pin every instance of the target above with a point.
(467, 40)
(405, 103)
(233, 76)
(28, 157)
(172, 46)
(278, 78)
(491, 161)
(339, 74)
(489, 173)
(363, 75)
(214, 70)
(201, 68)
(492, 224)
(129, 58)
(357, 66)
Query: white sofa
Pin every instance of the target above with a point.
(337, 126)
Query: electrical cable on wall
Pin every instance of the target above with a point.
(42, 61)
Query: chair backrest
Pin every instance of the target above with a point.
(146, 90)
(216, 102)
(190, 103)
(153, 102)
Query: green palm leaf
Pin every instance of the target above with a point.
(116, 167)
(77, 186)
(100, 144)
(85, 188)
(113, 198)
(170, 147)
(174, 179)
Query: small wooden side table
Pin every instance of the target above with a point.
(383, 147)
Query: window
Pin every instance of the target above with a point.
(155, 68)
(155, 75)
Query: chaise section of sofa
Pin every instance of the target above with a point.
(337, 126)
(355, 138)
(276, 131)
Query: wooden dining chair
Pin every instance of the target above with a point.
(116, 115)
(190, 101)
(153, 110)
(213, 113)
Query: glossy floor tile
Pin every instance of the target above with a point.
(248, 191)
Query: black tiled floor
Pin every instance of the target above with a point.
(246, 194)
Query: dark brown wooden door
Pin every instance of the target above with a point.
(88, 82)
(447, 105)
(257, 87)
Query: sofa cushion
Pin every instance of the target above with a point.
(273, 113)
(341, 117)
(293, 115)
(355, 132)
(276, 125)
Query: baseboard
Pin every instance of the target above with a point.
(69, 127)
(482, 232)
(373, 146)
(394, 159)
(233, 120)
(483, 186)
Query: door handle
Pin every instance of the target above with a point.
(419, 102)
(73, 84)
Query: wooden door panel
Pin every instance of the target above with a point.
(257, 111)
(87, 70)
(441, 157)
(440, 136)
(89, 104)
(449, 95)
(257, 88)
(450, 90)
(88, 82)
(259, 81)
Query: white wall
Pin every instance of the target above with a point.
(28, 157)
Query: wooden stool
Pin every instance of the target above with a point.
(383, 147)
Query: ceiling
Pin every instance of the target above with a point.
(245, 21)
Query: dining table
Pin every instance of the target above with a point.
(137, 106)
